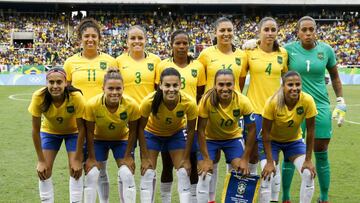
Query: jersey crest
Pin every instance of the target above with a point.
(103, 65)
(194, 72)
(150, 66)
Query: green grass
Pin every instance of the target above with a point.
(19, 183)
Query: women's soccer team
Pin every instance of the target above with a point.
(189, 110)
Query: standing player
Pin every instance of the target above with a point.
(85, 70)
(62, 108)
(266, 63)
(283, 114)
(311, 58)
(137, 67)
(223, 55)
(193, 83)
(219, 112)
(111, 119)
(164, 116)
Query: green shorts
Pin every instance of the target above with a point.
(323, 125)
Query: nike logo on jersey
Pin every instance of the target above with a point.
(280, 115)
(99, 116)
(125, 67)
(252, 58)
(213, 60)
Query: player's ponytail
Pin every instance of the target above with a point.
(211, 93)
(158, 97)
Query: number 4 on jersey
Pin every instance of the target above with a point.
(268, 69)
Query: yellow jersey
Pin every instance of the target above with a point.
(168, 122)
(222, 123)
(111, 126)
(139, 76)
(265, 75)
(286, 124)
(192, 76)
(58, 120)
(88, 74)
(213, 60)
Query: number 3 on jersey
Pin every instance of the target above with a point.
(182, 83)
(137, 77)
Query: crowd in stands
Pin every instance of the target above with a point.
(55, 39)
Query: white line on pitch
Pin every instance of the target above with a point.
(13, 97)
(352, 122)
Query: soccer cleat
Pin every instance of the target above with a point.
(286, 201)
(211, 202)
(320, 201)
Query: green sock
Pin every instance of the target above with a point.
(287, 173)
(323, 174)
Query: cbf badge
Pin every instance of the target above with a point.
(240, 189)
(103, 65)
(70, 109)
(194, 72)
(280, 60)
(123, 115)
(300, 110)
(238, 61)
(320, 55)
(150, 66)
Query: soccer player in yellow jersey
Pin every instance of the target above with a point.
(164, 116)
(137, 67)
(61, 108)
(266, 63)
(218, 128)
(193, 83)
(223, 55)
(86, 69)
(111, 118)
(281, 130)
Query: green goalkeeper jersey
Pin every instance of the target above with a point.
(311, 65)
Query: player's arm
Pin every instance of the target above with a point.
(250, 141)
(310, 134)
(340, 109)
(76, 169)
(207, 163)
(199, 92)
(242, 83)
(91, 160)
(190, 130)
(128, 159)
(145, 161)
(269, 167)
(42, 168)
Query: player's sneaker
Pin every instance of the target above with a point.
(320, 201)
(286, 201)
(211, 202)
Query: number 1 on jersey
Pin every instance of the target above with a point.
(307, 65)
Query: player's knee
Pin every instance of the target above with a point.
(126, 177)
(183, 180)
(93, 176)
(307, 178)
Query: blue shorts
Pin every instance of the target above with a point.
(232, 149)
(165, 143)
(53, 141)
(289, 149)
(102, 148)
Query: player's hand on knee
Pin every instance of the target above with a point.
(145, 165)
(89, 164)
(76, 169)
(185, 163)
(268, 170)
(310, 166)
(339, 111)
(249, 44)
(129, 162)
(43, 170)
(205, 166)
